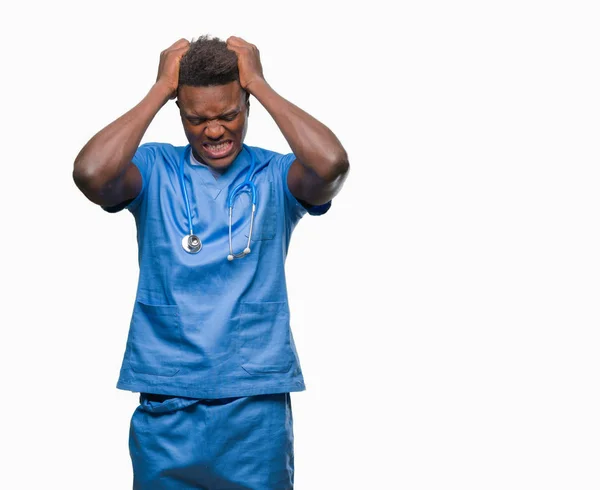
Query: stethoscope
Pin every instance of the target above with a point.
(191, 243)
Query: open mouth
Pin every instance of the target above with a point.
(218, 150)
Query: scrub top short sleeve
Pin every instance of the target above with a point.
(294, 207)
(143, 159)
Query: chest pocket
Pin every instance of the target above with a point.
(265, 218)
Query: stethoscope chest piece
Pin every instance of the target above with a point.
(191, 244)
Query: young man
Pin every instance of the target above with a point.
(210, 347)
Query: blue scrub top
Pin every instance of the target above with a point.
(202, 326)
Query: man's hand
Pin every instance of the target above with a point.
(168, 68)
(249, 64)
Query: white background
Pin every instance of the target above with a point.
(446, 308)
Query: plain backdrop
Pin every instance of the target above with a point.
(445, 310)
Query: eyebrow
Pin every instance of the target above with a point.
(236, 111)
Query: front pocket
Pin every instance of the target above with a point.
(155, 339)
(168, 405)
(264, 338)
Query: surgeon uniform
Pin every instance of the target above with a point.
(210, 349)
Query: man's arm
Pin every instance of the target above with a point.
(321, 165)
(103, 170)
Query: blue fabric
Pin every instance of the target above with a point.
(229, 444)
(204, 327)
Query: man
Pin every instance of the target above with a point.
(210, 347)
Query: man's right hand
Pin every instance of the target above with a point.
(103, 169)
(168, 68)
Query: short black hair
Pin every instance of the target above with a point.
(208, 62)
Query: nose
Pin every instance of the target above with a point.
(214, 130)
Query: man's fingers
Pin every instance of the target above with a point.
(176, 52)
(237, 41)
(182, 50)
(241, 49)
(182, 43)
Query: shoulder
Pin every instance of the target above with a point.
(148, 154)
(262, 154)
(160, 149)
(275, 162)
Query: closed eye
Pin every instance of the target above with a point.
(229, 117)
(195, 121)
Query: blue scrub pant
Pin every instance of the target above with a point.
(241, 443)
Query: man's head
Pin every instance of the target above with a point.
(213, 105)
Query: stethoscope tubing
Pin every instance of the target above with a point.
(230, 202)
(187, 151)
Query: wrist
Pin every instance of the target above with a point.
(257, 86)
(162, 91)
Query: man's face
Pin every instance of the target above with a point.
(215, 121)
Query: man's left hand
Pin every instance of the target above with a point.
(249, 64)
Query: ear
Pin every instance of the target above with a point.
(247, 104)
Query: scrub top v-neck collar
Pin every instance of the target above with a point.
(195, 163)
(205, 177)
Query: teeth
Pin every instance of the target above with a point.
(218, 146)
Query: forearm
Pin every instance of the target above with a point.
(108, 154)
(313, 143)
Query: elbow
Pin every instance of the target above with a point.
(84, 176)
(343, 166)
(337, 168)
(89, 180)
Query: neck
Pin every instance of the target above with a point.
(196, 160)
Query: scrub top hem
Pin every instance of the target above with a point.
(269, 389)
